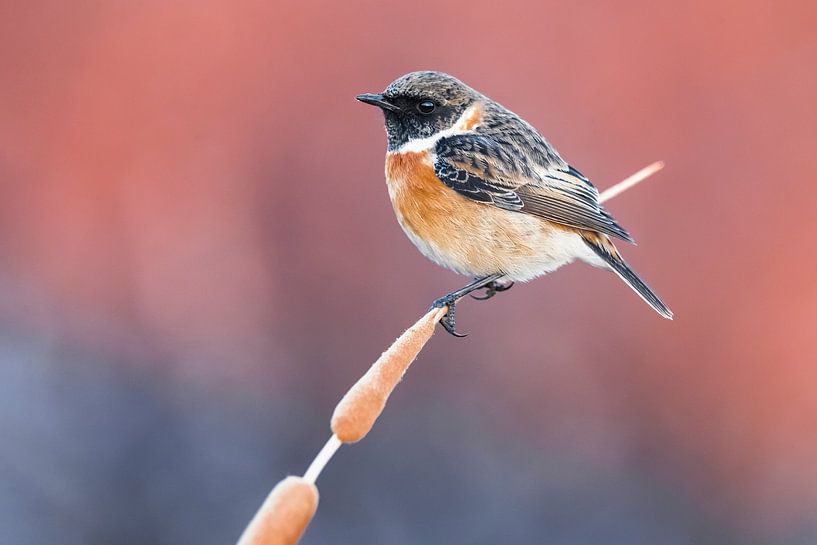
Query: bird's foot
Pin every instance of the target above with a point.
(493, 288)
(448, 319)
(450, 300)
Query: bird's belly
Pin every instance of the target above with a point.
(470, 237)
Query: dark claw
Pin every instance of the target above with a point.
(448, 323)
(492, 289)
(448, 320)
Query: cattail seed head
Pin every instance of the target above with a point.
(284, 515)
(356, 413)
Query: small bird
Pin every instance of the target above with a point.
(479, 191)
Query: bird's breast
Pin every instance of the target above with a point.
(424, 206)
(464, 235)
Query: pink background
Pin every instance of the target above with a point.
(198, 257)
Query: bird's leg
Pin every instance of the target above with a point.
(493, 288)
(450, 301)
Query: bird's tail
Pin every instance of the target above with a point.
(608, 253)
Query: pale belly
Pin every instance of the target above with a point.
(521, 249)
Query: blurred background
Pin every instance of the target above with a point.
(198, 257)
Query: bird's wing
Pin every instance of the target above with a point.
(485, 170)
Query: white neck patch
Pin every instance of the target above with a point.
(467, 122)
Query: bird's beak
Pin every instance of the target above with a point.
(377, 100)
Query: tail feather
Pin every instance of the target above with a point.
(608, 253)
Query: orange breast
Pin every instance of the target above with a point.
(423, 204)
(456, 232)
(418, 197)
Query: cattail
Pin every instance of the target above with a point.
(356, 413)
(284, 515)
(286, 512)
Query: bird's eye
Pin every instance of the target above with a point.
(426, 107)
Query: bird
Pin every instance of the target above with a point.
(479, 191)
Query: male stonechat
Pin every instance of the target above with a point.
(478, 190)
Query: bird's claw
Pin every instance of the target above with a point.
(448, 319)
(492, 289)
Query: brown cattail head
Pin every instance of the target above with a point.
(284, 515)
(355, 414)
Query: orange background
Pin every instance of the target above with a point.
(198, 257)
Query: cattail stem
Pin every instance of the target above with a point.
(323, 457)
(631, 181)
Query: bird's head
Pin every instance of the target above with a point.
(421, 104)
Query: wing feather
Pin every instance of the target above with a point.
(484, 170)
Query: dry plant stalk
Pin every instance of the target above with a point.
(286, 512)
(354, 416)
(284, 515)
(630, 181)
